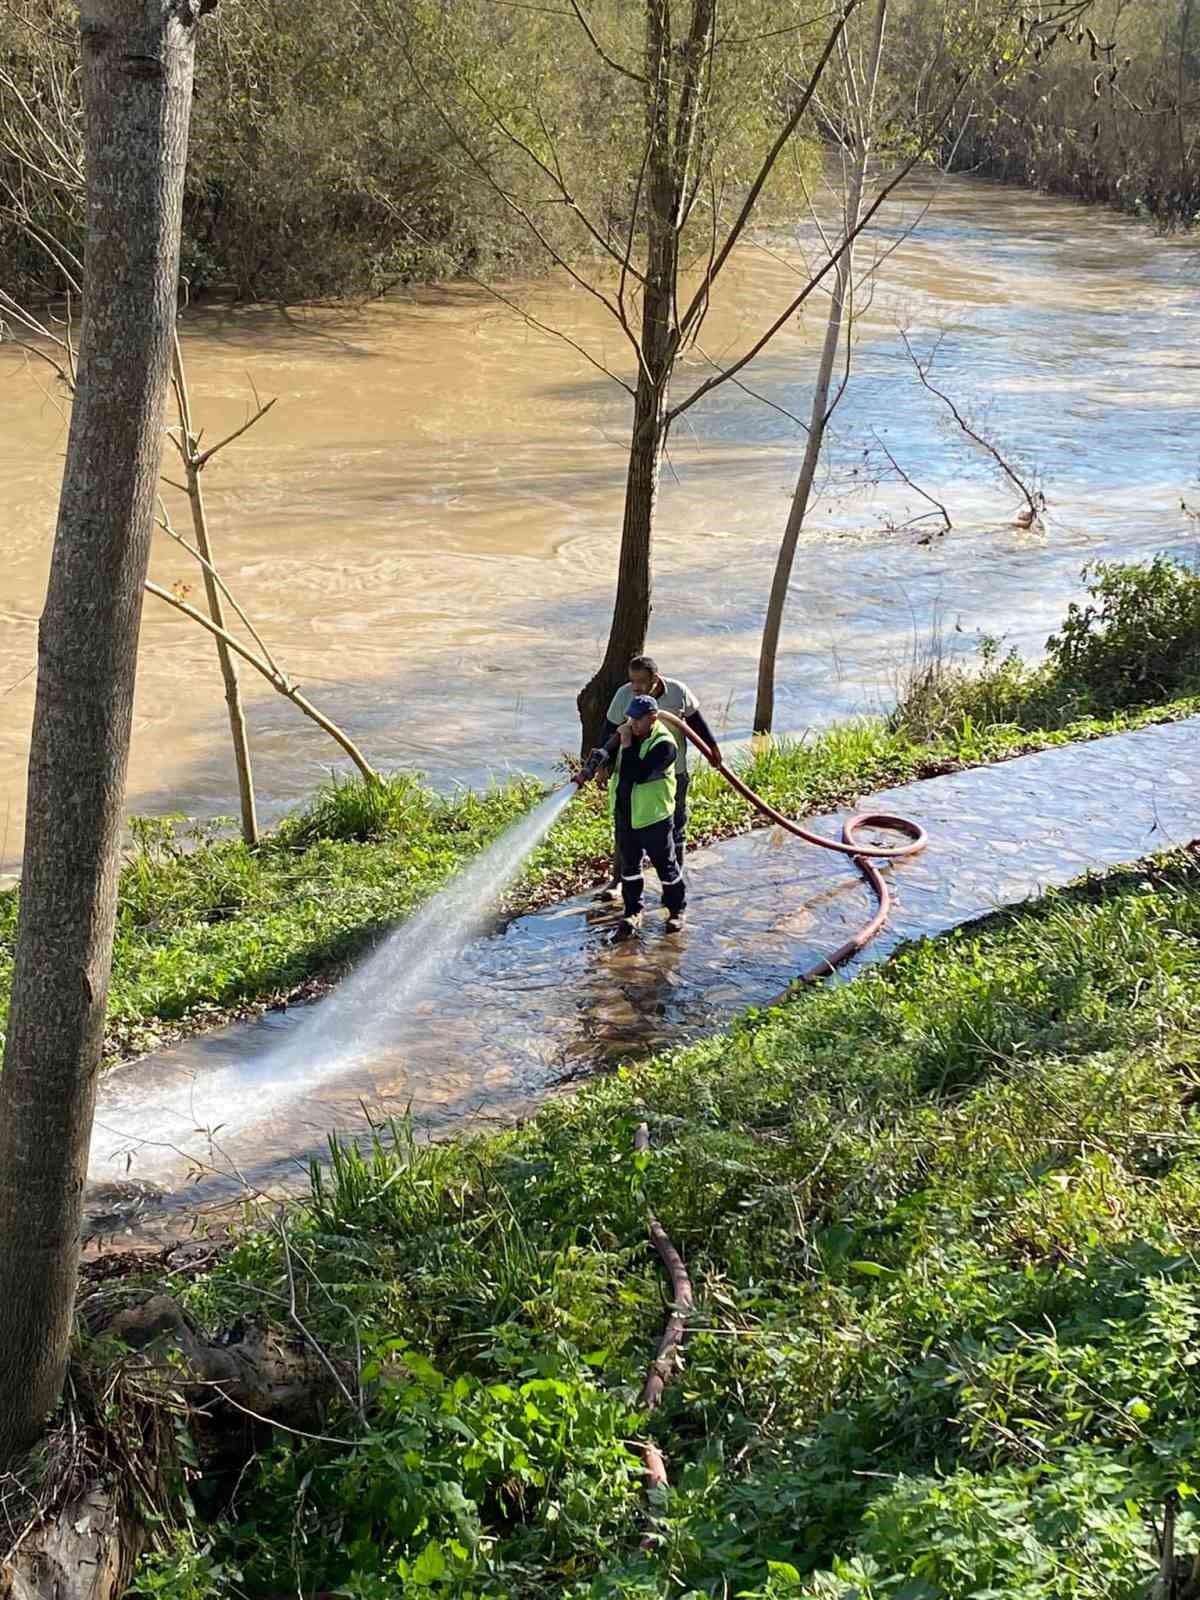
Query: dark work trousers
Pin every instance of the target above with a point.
(682, 780)
(657, 842)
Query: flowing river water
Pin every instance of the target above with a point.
(425, 526)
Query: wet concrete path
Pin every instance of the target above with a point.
(547, 999)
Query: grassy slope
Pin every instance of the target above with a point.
(942, 1224)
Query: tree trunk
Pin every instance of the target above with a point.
(1184, 205)
(137, 58)
(859, 111)
(216, 605)
(658, 348)
(632, 606)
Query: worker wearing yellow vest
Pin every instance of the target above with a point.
(641, 800)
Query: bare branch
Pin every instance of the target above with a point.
(794, 305)
(314, 1344)
(548, 172)
(768, 165)
(627, 268)
(609, 61)
(754, 394)
(164, 522)
(922, 369)
(915, 487)
(775, 33)
(206, 456)
(275, 678)
(526, 316)
(481, 166)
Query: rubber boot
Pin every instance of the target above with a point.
(627, 928)
(676, 921)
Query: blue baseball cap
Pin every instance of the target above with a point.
(642, 705)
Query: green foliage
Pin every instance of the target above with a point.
(1136, 642)
(1139, 637)
(419, 1501)
(338, 150)
(941, 1225)
(182, 1570)
(1098, 102)
(343, 148)
(352, 810)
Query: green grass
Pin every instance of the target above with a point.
(942, 1224)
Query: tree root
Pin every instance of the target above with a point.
(79, 1515)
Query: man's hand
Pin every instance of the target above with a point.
(625, 734)
(714, 756)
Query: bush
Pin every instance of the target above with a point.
(940, 695)
(1133, 644)
(352, 809)
(1138, 639)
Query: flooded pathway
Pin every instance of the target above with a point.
(547, 1001)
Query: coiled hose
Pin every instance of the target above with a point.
(864, 856)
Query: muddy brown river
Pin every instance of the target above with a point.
(425, 526)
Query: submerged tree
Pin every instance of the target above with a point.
(136, 67)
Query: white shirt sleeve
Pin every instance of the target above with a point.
(690, 703)
(620, 703)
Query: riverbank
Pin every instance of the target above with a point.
(209, 931)
(941, 1225)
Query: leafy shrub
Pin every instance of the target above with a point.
(942, 699)
(1137, 639)
(1134, 643)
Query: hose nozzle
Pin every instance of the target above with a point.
(591, 767)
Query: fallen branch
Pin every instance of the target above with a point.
(274, 677)
(667, 1358)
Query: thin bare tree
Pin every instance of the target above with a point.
(860, 81)
(1004, 40)
(137, 63)
(194, 460)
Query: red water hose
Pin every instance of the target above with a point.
(864, 856)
